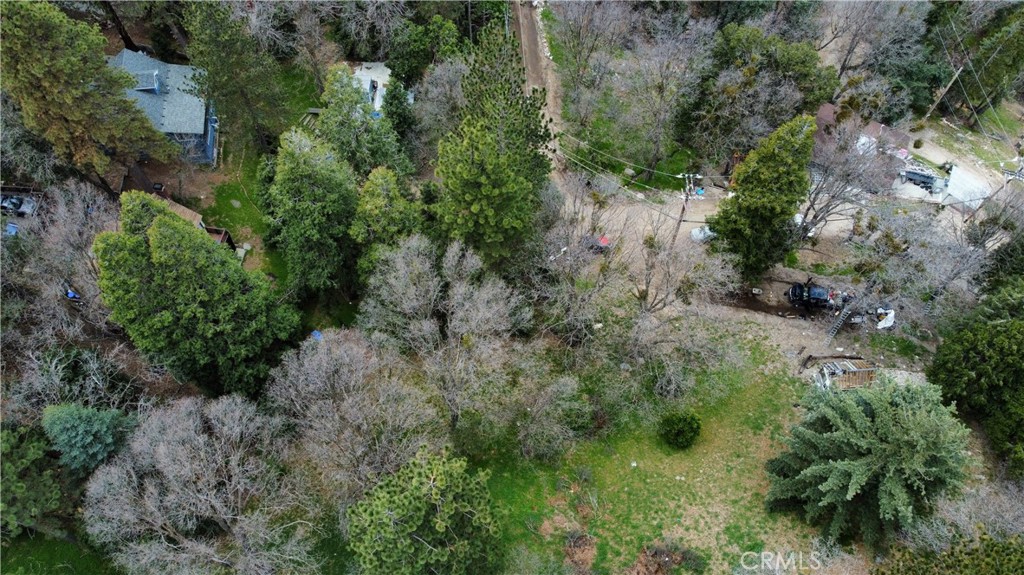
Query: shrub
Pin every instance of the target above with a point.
(918, 143)
(84, 436)
(680, 428)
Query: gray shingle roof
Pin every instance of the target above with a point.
(173, 110)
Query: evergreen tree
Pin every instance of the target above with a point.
(981, 367)
(186, 300)
(239, 77)
(869, 461)
(486, 201)
(386, 211)
(757, 222)
(492, 167)
(84, 436)
(349, 124)
(417, 47)
(398, 111)
(55, 70)
(310, 205)
(30, 491)
(432, 516)
(494, 93)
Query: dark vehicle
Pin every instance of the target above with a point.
(17, 205)
(597, 244)
(924, 178)
(811, 295)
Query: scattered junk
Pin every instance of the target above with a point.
(756, 291)
(702, 234)
(923, 177)
(11, 229)
(597, 244)
(886, 317)
(842, 372)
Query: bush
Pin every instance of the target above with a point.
(84, 436)
(680, 428)
(918, 143)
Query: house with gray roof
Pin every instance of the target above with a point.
(163, 92)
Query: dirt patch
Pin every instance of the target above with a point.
(557, 524)
(580, 552)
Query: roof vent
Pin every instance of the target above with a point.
(148, 81)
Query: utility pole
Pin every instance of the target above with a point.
(686, 200)
(942, 94)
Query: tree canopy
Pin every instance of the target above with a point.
(239, 77)
(756, 223)
(981, 367)
(186, 300)
(55, 70)
(432, 516)
(310, 206)
(349, 125)
(84, 436)
(30, 488)
(869, 461)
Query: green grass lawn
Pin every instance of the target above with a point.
(41, 556)
(999, 122)
(710, 497)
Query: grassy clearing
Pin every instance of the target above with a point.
(901, 346)
(999, 122)
(631, 489)
(41, 556)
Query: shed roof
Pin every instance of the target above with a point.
(188, 215)
(171, 108)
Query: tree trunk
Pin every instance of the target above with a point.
(121, 30)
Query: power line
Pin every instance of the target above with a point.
(959, 83)
(613, 180)
(984, 92)
(628, 163)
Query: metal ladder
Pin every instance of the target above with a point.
(838, 324)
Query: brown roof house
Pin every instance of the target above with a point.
(872, 135)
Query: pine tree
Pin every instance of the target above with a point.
(869, 461)
(30, 491)
(486, 201)
(757, 222)
(494, 95)
(432, 516)
(235, 74)
(55, 70)
(186, 300)
(310, 205)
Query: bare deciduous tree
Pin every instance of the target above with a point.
(453, 316)
(996, 506)
(438, 105)
(585, 28)
(50, 255)
(359, 417)
(847, 169)
(376, 20)
(195, 492)
(70, 375)
(313, 50)
(573, 275)
(659, 75)
(870, 31)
